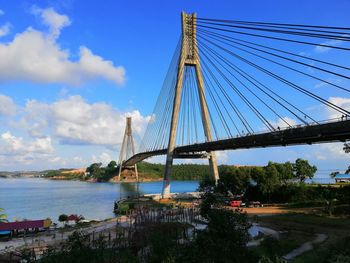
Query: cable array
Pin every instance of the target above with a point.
(257, 77)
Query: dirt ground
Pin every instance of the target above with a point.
(274, 210)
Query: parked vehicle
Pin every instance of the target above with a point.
(236, 203)
(255, 204)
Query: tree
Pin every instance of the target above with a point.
(330, 198)
(223, 240)
(63, 218)
(96, 171)
(269, 181)
(285, 171)
(233, 179)
(3, 217)
(334, 174)
(112, 164)
(304, 170)
(94, 168)
(346, 147)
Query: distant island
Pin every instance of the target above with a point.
(18, 174)
(146, 172)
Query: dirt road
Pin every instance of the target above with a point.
(273, 210)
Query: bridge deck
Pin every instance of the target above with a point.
(321, 133)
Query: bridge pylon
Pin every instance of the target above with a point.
(188, 58)
(128, 146)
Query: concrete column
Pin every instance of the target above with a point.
(128, 142)
(188, 57)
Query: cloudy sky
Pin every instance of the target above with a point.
(72, 70)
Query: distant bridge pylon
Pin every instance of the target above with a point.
(127, 150)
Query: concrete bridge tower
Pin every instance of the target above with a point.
(128, 146)
(188, 58)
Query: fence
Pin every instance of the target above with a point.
(127, 231)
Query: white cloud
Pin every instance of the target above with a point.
(17, 153)
(79, 161)
(104, 158)
(52, 19)
(79, 122)
(339, 101)
(335, 42)
(222, 157)
(7, 106)
(282, 122)
(93, 65)
(75, 121)
(16, 146)
(35, 56)
(330, 151)
(5, 29)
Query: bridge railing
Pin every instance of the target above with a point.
(279, 129)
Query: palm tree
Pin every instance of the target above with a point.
(3, 217)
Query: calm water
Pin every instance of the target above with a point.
(318, 180)
(41, 198)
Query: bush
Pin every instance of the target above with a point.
(63, 218)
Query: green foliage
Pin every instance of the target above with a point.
(224, 239)
(340, 259)
(275, 259)
(272, 184)
(3, 217)
(112, 164)
(66, 175)
(162, 241)
(334, 174)
(348, 170)
(102, 174)
(151, 171)
(304, 170)
(96, 171)
(123, 209)
(346, 147)
(269, 181)
(63, 218)
(178, 172)
(78, 249)
(233, 179)
(340, 252)
(52, 173)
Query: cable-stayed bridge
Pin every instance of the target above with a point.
(241, 84)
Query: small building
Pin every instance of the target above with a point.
(9, 228)
(342, 178)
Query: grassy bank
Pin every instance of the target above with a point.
(337, 230)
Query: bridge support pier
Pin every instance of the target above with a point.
(127, 146)
(189, 58)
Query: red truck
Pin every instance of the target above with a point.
(237, 203)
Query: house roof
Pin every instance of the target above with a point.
(73, 218)
(342, 176)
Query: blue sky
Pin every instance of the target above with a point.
(101, 62)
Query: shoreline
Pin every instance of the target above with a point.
(143, 180)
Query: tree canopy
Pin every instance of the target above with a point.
(3, 216)
(304, 170)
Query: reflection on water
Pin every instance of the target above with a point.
(41, 198)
